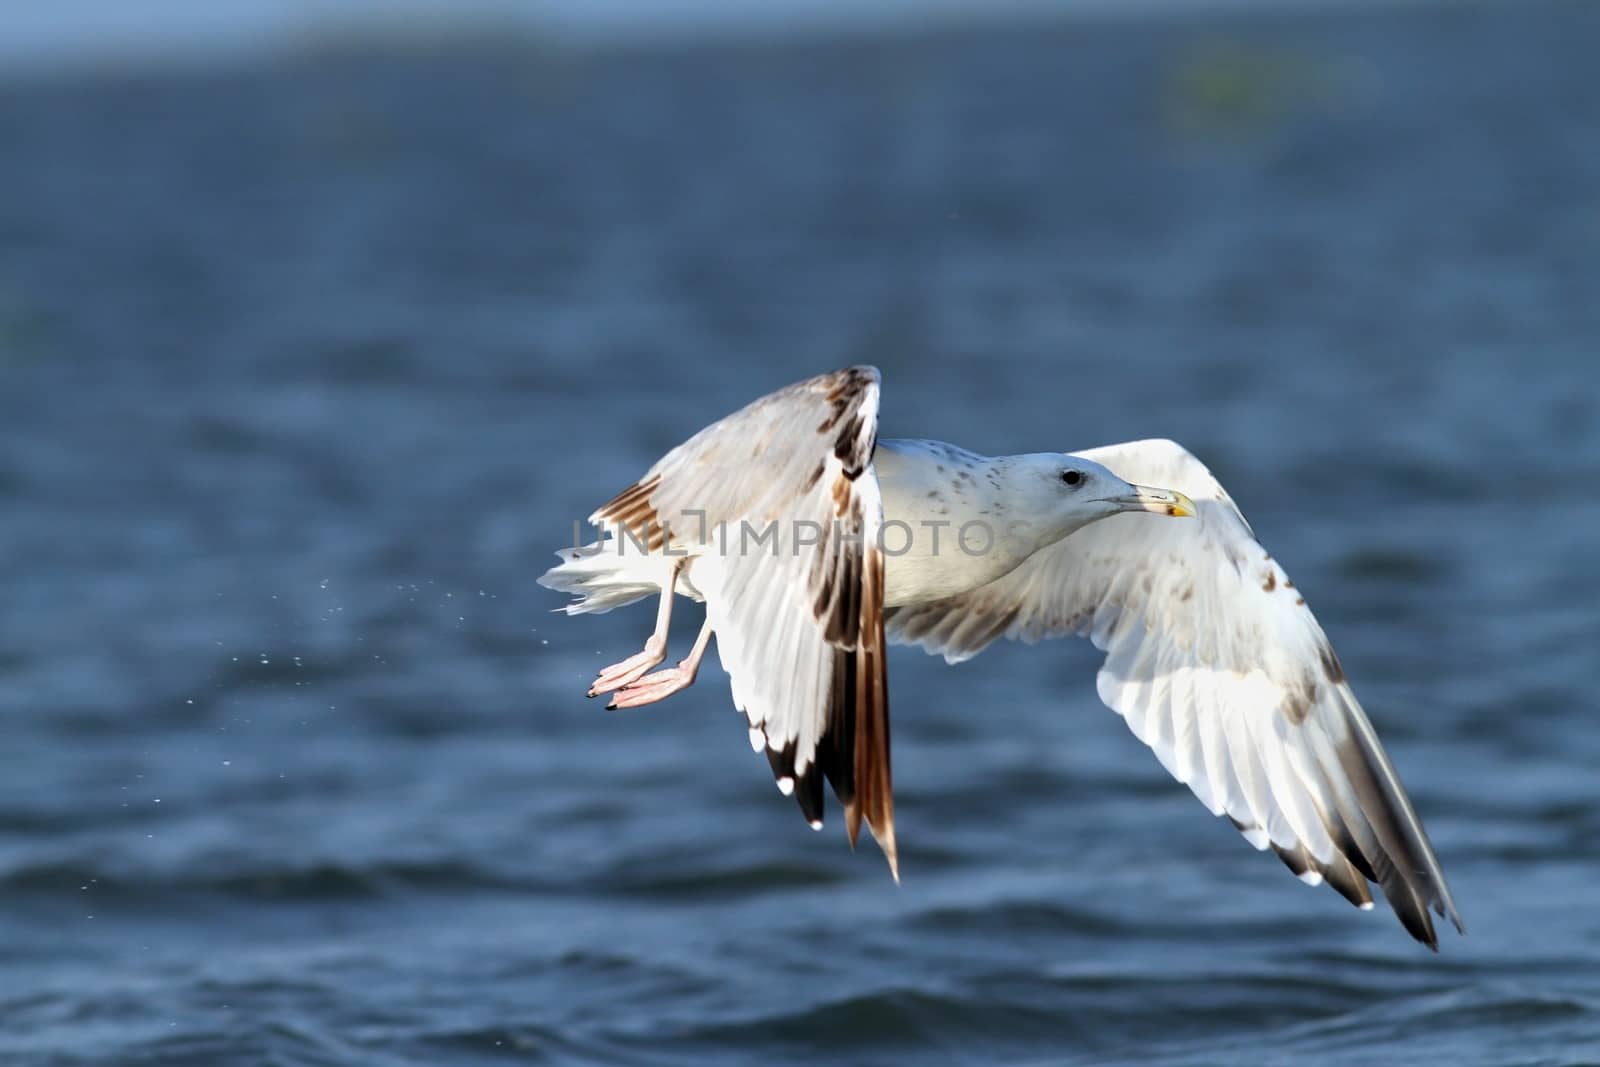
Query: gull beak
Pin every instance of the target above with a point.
(1160, 501)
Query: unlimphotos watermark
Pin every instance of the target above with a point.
(893, 537)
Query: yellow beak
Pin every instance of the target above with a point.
(1161, 501)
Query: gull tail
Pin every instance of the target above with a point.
(605, 574)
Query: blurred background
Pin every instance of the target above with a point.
(320, 324)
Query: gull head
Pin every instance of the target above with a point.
(1070, 492)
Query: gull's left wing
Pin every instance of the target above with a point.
(1216, 663)
(774, 512)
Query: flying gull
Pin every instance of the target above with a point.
(813, 544)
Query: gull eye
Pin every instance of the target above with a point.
(1071, 477)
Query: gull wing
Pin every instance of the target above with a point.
(1216, 663)
(777, 510)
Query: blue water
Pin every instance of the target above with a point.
(307, 366)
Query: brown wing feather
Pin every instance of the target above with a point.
(874, 789)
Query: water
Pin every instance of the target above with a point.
(306, 367)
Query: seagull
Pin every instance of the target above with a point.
(813, 545)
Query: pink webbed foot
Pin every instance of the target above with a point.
(627, 672)
(653, 687)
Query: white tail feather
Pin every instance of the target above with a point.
(605, 575)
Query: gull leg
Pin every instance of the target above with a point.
(655, 649)
(662, 684)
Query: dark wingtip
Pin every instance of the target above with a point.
(1346, 882)
(805, 785)
(1413, 915)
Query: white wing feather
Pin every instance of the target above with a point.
(776, 511)
(1216, 663)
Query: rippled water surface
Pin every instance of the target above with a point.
(306, 368)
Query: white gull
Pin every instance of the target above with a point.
(811, 542)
